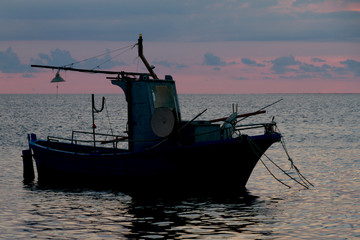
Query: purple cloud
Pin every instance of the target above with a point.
(282, 64)
(353, 66)
(10, 62)
(252, 63)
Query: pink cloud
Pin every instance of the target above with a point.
(328, 6)
(234, 67)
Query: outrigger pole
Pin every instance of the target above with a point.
(121, 73)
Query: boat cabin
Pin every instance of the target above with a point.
(153, 109)
(154, 114)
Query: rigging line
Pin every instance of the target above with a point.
(108, 52)
(98, 66)
(108, 117)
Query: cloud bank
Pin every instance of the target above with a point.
(170, 20)
(252, 63)
(10, 62)
(267, 27)
(285, 67)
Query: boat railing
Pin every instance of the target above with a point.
(225, 133)
(228, 131)
(269, 127)
(115, 139)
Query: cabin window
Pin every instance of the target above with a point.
(163, 96)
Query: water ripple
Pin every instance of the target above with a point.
(322, 135)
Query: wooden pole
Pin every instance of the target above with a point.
(93, 117)
(238, 116)
(141, 55)
(28, 168)
(121, 73)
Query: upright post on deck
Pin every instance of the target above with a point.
(93, 117)
(141, 55)
(28, 168)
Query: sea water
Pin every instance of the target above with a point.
(322, 136)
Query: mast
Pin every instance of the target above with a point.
(141, 55)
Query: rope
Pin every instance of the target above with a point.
(108, 52)
(301, 177)
(108, 60)
(103, 105)
(252, 143)
(304, 185)
(108, 117)
(273, 174)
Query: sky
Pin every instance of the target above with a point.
(208, 46)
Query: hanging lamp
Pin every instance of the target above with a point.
(56, 80)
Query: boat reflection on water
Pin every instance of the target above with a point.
(87, 213)
(219, 217)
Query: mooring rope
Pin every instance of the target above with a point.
(273, 174)
(301, 177)
(253, 144)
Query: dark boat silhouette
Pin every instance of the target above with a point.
(163, 149)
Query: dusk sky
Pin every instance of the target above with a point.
(245, 46)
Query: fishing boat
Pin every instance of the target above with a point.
(162, 149)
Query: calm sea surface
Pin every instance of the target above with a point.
(322, 134)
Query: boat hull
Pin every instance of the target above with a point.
(215, 165)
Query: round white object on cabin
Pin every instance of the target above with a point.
(162, 122)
